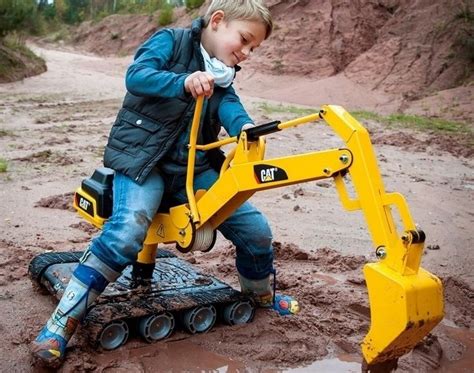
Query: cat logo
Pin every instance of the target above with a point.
(84, 203)
(161, 231)
(267, 174)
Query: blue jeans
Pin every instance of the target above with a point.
(135, 205)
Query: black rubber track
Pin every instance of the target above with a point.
(41, 262)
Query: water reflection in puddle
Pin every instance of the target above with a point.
(465, 337)
(186, 356)
(328, 366)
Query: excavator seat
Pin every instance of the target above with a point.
(94, 198)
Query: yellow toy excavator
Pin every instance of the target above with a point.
(406, 301)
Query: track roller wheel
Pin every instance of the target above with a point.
(156, 327)
(239, 312)
(114, 335)
(200, 319)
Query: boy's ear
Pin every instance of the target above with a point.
(216, 18)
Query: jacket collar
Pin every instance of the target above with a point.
(196, 28)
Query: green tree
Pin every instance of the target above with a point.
(60, 7)
(77, 10)
(42, 4)
(193, 4)
(166, 15)
(16, 14)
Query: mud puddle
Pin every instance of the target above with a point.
(340, 364)
(458, 354)
(187, 356)
(171, 356)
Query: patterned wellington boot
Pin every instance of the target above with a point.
(263, 292)
(86, 284)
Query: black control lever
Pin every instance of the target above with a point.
(254, 133)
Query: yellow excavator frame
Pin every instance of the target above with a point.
(406, 301)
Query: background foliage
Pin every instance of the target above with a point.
(16, 14)
(40, 16)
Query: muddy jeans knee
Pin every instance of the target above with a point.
(134, 207)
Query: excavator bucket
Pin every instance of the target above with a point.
(403, 308)
(406, 301)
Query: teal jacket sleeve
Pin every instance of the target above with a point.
(147, 76)
(232, 114)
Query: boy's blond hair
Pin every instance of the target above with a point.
(247, 10)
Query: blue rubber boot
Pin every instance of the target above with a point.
(86, 284)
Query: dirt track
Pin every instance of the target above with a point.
(54, 127)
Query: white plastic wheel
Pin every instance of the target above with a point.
(156, 327)
(200, 319)
(114, 335)
(239, 312)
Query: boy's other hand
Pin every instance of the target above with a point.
(199, 83)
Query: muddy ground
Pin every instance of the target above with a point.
(53, 129)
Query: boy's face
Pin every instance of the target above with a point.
(233, 41)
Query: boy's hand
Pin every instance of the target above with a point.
(199, 83)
